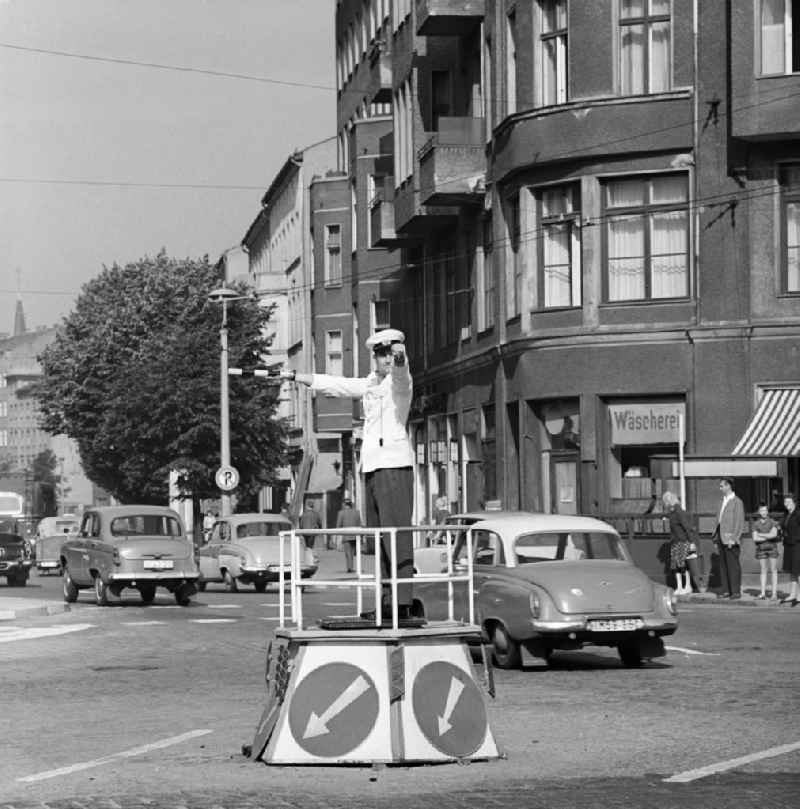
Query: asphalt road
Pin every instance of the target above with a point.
(149, 706)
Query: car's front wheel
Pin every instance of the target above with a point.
(100, 591)
(230, 582)
(630, 653)
(70, 588)
(506, 649)
(201, 585)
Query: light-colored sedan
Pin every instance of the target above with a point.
(549, 582)
(141, 547)
(245, 549)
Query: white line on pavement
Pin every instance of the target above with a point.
(35, 632)
(212, 620)
(730, 764)
(690, 651)
(135, 751)
(224, 606)
(269, 618)
(338, 603)
(144, 623)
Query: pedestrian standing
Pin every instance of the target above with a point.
(208, 524)
(791, 548)
(310, 520)
(765, 537)
(348, 518)
(387, 456)
(728, 536)
(681, 545)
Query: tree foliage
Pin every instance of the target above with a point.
(45, 483)
(133, 377)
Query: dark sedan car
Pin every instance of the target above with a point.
(15, 559)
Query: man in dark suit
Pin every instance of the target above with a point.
(728, 535)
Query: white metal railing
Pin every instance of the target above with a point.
(453, 574)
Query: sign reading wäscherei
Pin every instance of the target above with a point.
(645, 423)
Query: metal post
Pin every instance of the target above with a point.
(225, 438)
(681, 462)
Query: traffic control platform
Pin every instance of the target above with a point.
(373, 692)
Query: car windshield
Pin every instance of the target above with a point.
(261, 529)
(568, 546)
(151, 525)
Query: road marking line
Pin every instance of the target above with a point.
(730, 764)
(270, 618)
(135, 751)
(224, 606)
(144, 623)
(212, 620)
(36, 632)
(270, 604)
(691, 651)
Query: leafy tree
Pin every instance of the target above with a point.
(133, 377)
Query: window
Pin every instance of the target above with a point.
(560, 247)
(486, 282)
(790, 189)
(511, 64)
(3, 409)
(333, 255)
(440, 97)
(488, 91)
(780, 36)
(553, 39)
(333, 353)
(3, 438)
(645, 63)
(380, 315)
(514, 262)
(647, 237)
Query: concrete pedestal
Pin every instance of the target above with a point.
(393, 696)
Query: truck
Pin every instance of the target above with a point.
(50, 536)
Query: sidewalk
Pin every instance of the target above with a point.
(14, 607)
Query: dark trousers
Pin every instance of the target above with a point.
(730, 569)
(389, 501)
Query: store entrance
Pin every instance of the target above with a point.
(564, 493)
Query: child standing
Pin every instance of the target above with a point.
(765, 533)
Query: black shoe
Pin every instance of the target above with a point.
(724, 595)
(735, 596)
(795, 602)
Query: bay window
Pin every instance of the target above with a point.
(553, 47)
(647, 238)
(780, 36)
(560, 247)
(790, 241)
(645, 60)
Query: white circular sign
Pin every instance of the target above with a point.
(227, 478)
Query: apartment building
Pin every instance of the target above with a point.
(595, 214)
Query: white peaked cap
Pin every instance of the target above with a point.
(385, 337)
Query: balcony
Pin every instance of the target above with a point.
(448, 17)
(380, 73)
(452, 164)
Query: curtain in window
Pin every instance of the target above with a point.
(793, 246)
(660, 79)
(557, 265)
(668, 238)
(626, 260)
(632, 54)
(773, 54)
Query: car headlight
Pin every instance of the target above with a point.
(535, 604)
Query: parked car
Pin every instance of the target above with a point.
(549, 582)
(245, 549)
(143, 547)
(15, 559)
(50, 535)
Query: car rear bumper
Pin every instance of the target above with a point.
(49, 564)
(271, 573)
(163, 578)
(583, 627)
(14, 565)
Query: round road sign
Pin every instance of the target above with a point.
(449, 709)
(227, 478)
(333, 710)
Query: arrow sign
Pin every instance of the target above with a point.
(318, 725)
(456, 687)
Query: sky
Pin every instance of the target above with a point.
(89, 148)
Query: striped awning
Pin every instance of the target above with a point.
(774, 429)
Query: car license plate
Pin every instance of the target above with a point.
(158, 564)
(616, 625)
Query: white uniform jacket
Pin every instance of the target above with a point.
(386, 403)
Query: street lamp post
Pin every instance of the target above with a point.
(223, 295)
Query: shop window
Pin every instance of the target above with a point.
(560, 247)
(780, 37)
(645, 63)
(647, 238)
(790, 227)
